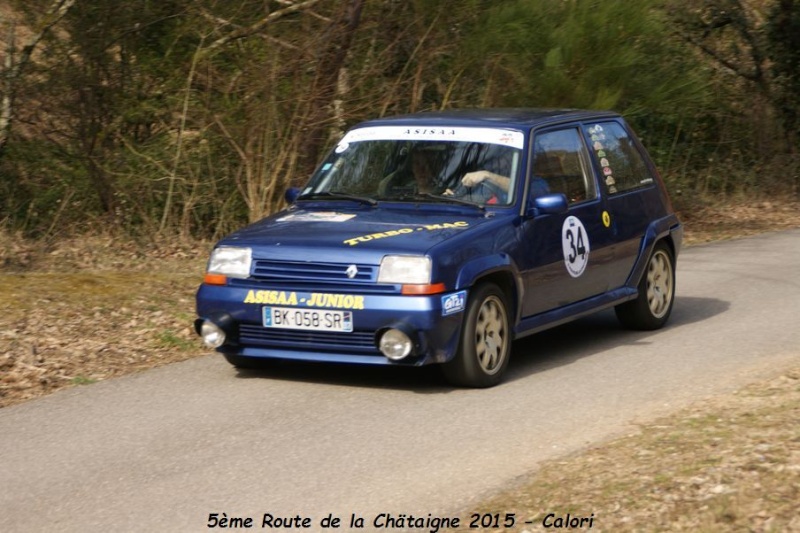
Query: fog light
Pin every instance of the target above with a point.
(395, 344)
(213, 336)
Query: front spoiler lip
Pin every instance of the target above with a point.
(317, 357)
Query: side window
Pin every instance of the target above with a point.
(617, 157)
(560, 164)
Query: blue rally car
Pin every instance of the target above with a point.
(442, 237)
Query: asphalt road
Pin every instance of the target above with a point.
(162, 450)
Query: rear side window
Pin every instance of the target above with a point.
(620, 163)
(560, 164)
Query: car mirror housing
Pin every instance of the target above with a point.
(291, 194)
(549, 204)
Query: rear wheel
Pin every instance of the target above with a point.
(651, 309)
(485, 344)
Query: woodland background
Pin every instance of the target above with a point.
(190, 117)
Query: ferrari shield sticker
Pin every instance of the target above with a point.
(575, 242)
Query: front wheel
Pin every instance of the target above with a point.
(485, 345)
(651, 309)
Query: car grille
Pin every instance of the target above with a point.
(311, 276)
(357, 342)
(282, 271)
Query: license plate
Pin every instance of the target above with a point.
(308, 319)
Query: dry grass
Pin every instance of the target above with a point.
(91, 309)
(734, 219)
(727, 464)
(64, 329)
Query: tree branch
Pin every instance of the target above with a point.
(258, 26)
(730, 65)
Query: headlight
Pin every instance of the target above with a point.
(405, 269)
(230, 261)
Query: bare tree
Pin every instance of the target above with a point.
(730, 33)
(330, 62)
(13, 67)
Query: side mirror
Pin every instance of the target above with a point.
(291, 194)
(549, 204)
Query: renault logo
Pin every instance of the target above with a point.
(351, 271)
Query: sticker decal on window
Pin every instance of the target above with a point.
(600, 151)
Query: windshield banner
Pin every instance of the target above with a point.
(514, 139)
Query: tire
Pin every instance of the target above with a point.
(485, 344)
(652, 307)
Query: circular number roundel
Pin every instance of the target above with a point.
(575, 243)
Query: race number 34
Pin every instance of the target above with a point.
(575, 242)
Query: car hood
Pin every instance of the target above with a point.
(368, 233)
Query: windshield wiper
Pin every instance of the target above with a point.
(337, 195)
(450, 199)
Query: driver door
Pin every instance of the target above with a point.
(567, 256)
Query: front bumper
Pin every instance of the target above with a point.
(434, 324)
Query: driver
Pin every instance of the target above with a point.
(480, 186)
(485, 186)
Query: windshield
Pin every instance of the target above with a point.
(475, 165)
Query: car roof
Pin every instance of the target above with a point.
(521, 118)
